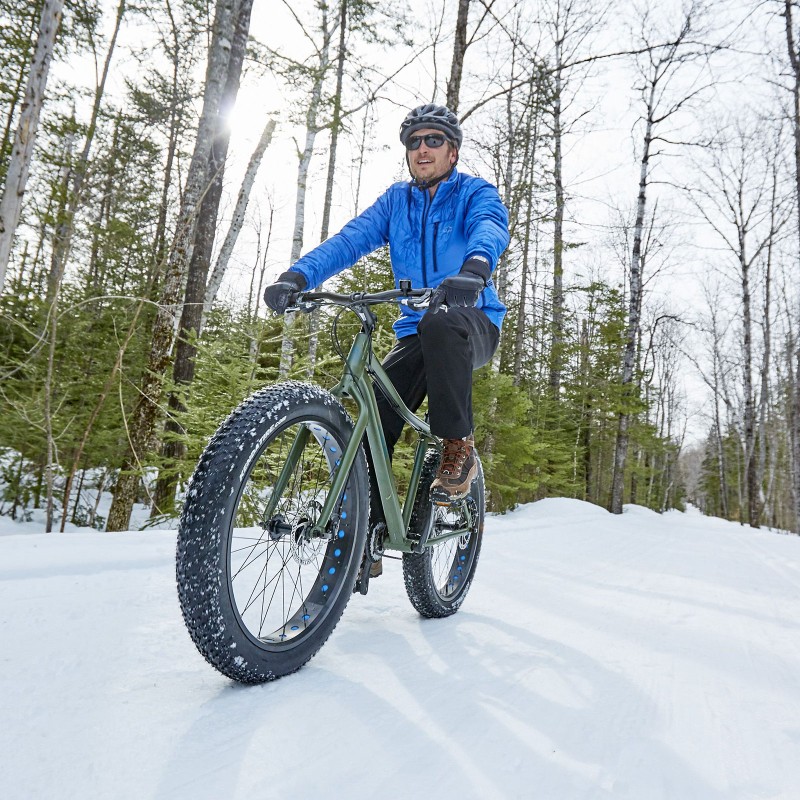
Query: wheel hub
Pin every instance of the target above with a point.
(305, 547)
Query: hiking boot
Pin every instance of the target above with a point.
(376, 568)
(458, 469)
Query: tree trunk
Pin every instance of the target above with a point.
(336, 122)
(586, 412)
(63, 239)
(751, 464)
(513, 202)
(237, 222)
(191, 317)
(17, 92)
(521, 344)
(764, 402)
(312, 129)
(173, 132)
(634, 310)
(48, 417)
(142, 426)
(459, 50)
(19, 164)
(794, 59)
(557, 343)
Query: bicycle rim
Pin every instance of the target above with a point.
(451, 561)
(283, 580)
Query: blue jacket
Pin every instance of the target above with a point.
(428, 239)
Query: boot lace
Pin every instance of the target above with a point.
(456, 452)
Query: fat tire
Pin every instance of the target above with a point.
(203, 558)
(418, 567)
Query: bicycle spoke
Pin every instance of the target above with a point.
(275, 577)
(261, 581)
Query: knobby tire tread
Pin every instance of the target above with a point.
(201, 577)
(416, 566)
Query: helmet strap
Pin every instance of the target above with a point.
(422, 185)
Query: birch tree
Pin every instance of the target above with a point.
(199, 263)
(318, 73)
(22, 151)
(790, 14)
(141, 427)
(237, 220)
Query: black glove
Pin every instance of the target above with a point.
(462, 289)
(280, 295)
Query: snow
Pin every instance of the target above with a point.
(643, 656)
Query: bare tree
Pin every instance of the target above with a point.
(142, 424)
(737, 195)
(318, 72)
(459, 51)
(237, 221)
(793, 52)
(199, 264)
(657, 69)
(336, 123)
(22, 152)
(571, 24)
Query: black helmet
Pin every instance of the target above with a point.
(440, 118)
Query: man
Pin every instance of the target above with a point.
(445, 230)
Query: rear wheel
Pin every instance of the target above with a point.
(261, 589)
(438, 579)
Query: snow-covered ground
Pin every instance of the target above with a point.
(640, 656)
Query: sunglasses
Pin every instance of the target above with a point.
(432, 140)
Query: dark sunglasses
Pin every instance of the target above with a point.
(432, 140)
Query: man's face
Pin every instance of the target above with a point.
(430, 162)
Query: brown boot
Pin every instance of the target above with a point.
(376, 568)
(458, 469)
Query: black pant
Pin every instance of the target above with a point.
(439, 362)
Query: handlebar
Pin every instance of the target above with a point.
(305, 301)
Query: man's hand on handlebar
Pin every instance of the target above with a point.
(457, 290)
(280, 295)
(462, 289)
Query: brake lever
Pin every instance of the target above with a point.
(418, 302)
(298, 305)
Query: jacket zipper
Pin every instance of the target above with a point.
(424, 223)
(435, 237)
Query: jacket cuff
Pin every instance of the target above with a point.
(478, 265)
(297, 279)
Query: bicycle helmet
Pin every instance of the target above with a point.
(439, 118)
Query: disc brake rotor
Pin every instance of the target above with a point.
(303, 546)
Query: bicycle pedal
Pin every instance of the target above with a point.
(446, 501)
(361, 585)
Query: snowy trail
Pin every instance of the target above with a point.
(639, 657)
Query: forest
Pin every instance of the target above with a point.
(162, 161)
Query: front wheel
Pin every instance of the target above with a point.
(438, 579)
(260, 586)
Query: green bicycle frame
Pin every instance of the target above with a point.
(361, 369)
(356, 384)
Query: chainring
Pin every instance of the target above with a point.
(376, 539)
